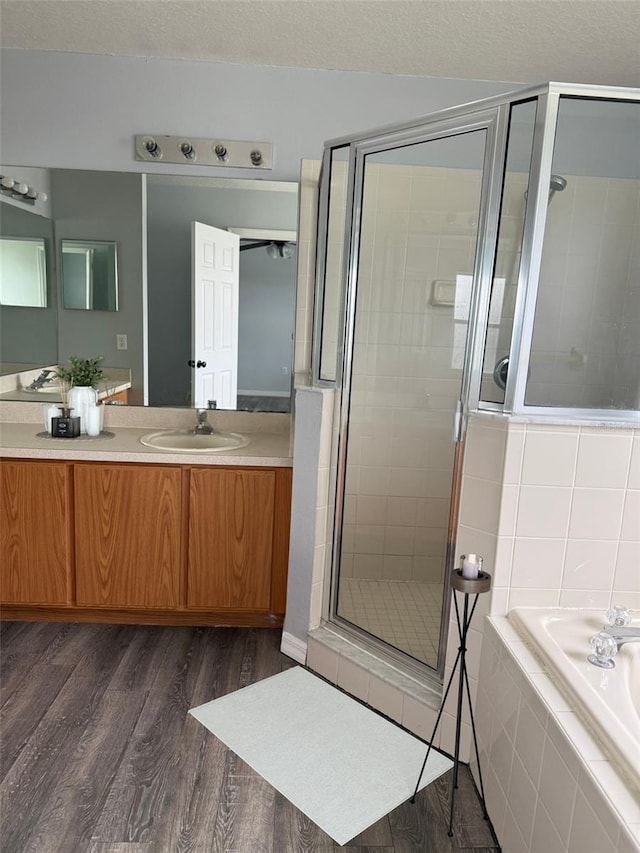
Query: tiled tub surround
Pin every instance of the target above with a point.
(550, 786)
(607, 699)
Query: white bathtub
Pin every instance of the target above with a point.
(607, 700)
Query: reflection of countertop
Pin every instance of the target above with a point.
(13, 387)
(19, 440)
(51, 399)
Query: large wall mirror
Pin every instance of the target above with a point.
(146, 219)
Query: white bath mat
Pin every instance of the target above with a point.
(340, 763)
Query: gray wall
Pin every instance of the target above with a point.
(267, 287)
(99, 206)
(82, 111)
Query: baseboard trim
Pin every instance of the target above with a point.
(293, 647)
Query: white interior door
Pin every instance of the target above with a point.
(215, 282)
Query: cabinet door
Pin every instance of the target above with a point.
(35, 532)
(128, 535)
(231, 514)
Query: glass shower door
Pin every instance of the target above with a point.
(410, 295)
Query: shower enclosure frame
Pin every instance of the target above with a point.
(492, 114)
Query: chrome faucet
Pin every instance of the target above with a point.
(607, 643)
(203, 427)
(41, 380)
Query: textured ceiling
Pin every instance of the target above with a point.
(528, 41)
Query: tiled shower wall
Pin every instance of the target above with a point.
(586, 342)
(418, 228)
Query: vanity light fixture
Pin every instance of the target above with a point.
(20, 191)
(206, 152)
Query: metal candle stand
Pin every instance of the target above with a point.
(467, 586)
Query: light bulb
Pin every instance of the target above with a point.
(188, 150)
(6, 182)
(20, 188)
(152, 147)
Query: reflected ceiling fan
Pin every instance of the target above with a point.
(279, 244)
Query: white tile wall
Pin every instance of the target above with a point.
(404, 383)
(577, 527)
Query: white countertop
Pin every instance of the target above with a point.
(20, 440)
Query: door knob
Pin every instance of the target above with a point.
(201, 363)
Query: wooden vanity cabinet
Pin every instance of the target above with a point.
(36, 550)
(131, 542)
(238, 538)
(128, 534)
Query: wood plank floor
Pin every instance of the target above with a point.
(99, 755)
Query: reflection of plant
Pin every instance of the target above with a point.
(81, 371)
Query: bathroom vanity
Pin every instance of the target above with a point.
(108, 531)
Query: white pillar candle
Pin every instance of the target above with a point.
(93, 420)
(471, 566)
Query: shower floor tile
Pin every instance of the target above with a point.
(405, 614)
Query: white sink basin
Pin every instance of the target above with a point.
(186, 441)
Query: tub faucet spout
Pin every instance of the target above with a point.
(624, 634)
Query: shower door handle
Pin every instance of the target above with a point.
(456, 432)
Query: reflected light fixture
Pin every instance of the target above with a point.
(280, 250)
(20, 191)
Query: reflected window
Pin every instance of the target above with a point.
(89, 275)
(23, 272)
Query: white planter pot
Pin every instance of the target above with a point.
(80, 398)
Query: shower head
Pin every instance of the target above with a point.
(556, 185)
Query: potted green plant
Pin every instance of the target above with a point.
(84, 372)
(81, 377)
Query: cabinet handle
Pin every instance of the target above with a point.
(201, 363)
(191, 363)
